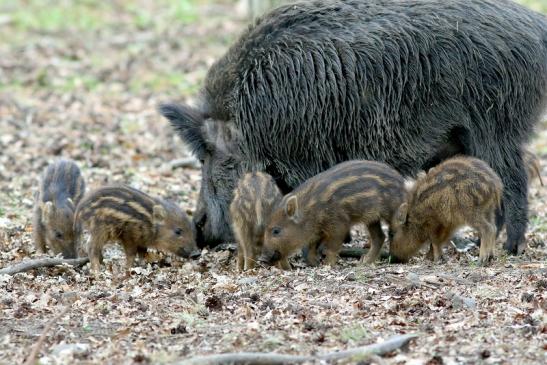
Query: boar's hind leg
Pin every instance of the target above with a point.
(377, 238)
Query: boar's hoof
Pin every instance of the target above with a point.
(195, 254)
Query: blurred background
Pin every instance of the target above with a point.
(83, 78)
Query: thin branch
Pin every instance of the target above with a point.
(31, 359)
(385, 347)
(45, 262)
(190, 162)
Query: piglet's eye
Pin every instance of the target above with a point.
(58, 235)
(276, 231)
(178, 231)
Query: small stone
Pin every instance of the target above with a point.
(485, 354)
(70, 349)
(247, 281)
(213, 303)
(527, 297)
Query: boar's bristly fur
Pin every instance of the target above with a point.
(61, 188)
(322, 210)
(135, 220)
(459, 191)
(409, 83)
(533, 166)
(254, 199)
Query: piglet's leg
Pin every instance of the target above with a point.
(377, 238)
(312, 258)
(487, 230)
(333, 243)
(240, 258)
(130, 254)
(95, 253)
(284, 264)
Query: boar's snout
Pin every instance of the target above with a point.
(69, 253)
(189, 253)
(392, 259)
(195, 254)
(269, 257)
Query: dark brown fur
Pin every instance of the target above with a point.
(533, 166)
(323, 209)
(135, 220)
(254, 199)
(460, 191)
(61, 188)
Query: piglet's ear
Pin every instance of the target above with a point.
(159, 214)
(402, 214)
(47, 212)
(291, 208)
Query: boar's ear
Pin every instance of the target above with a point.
(159, 214)
(402, 213)
(47, 212)
(187, 122)
(291, 209)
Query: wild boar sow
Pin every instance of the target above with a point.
(254, 199)
(323, 209)
(61, 188)
(135, 220)
(409, 83)
(460, 191)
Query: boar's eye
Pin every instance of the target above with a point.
(58, 235)
(276, 231)
(178, 231)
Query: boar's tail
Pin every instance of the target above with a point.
(187, 122)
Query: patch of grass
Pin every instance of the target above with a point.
(537, 5)
(354, 333)
(271, 343)
(53, 16)
(183, 11)
(75, 82)
(171, 81)
(538, 224)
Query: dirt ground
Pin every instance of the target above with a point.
(85, 85)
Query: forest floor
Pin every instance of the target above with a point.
(85, 85)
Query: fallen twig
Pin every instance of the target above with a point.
(31, 359)
(191, 162)
(385, 347)
(45, 262)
